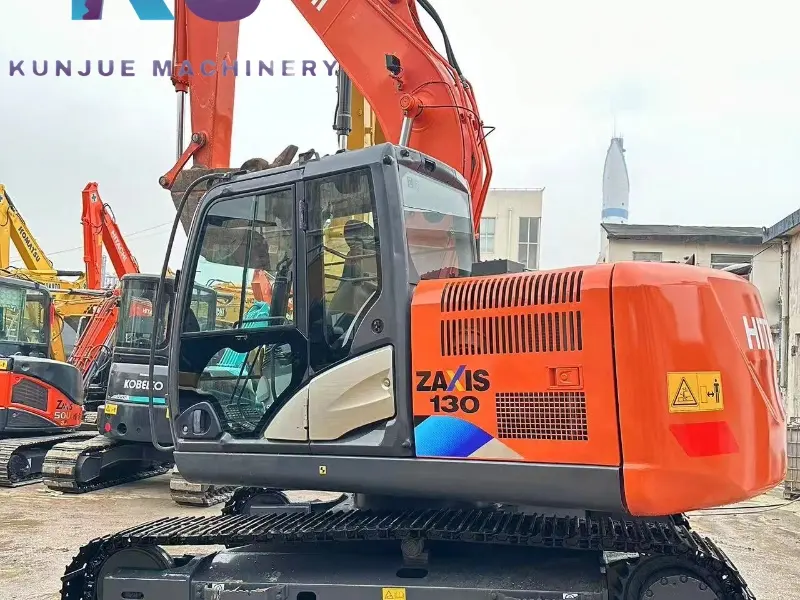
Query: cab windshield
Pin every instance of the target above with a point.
(135, 322)
(438, 225)
(247, 244)
(23, 316)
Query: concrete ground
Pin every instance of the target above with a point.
(40, 531)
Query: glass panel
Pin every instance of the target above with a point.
(523, 229)
(720, 261)
(487, 234)
(533, 229)
(438, 225)
(533, 256)
(522, 254)
(135, 321)
(24, 326)
(647, 256)
(34, 321)
(343, 261)
(246, 252)
(244, 280)
(204, 307)
(12, 305)
(245, 385)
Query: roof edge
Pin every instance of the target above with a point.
(786, 226)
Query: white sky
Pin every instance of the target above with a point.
(706, 95)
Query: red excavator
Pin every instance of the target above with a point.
(497, 433)
(41, 399)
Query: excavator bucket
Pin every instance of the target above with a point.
(189, 176)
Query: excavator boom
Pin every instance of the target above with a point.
(420, 98)
(100, 229)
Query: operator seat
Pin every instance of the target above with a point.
(361, 262)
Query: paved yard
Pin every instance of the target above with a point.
(40, 531)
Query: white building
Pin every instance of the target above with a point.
(786, 234)
(511, 226)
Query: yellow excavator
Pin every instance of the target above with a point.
(70, 301)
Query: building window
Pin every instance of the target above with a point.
(648, 256)
(720, 261)
(487, 234)
(528, 247)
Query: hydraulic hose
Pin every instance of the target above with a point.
(158, 303)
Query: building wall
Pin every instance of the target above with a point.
(500, 225)
(792, 390)
(766, 263)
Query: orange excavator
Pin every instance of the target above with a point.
(92, 353)
(41, 398)
(497, 433)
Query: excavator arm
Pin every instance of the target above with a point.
(38, 267)
(197, 45)
(14, 229)
(419, 97)
(100, 229)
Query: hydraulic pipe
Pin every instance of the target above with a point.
(181, 122)
(343, 122)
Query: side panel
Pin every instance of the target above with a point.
(700, 414)
(30, 396)
(352, 395)
(130, 382)
(516, 368)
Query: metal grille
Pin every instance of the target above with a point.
(542, 416)
(512, 291)
(512, 334)
(28, 393)
(791, 485)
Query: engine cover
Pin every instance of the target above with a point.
(640, 366)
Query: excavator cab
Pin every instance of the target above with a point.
(345, 240)
(125, 415)
(25, 313)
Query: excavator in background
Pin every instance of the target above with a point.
(127, 448)
(497, 433)
(92, 353)
(112, 353)
(38, 268)
(41, 399)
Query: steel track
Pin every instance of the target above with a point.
(60, 471)
(671, 541)
(12, 447)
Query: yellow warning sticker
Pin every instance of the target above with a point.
(4, 364)
(695, 392)
(110, 409)
(394, 593)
